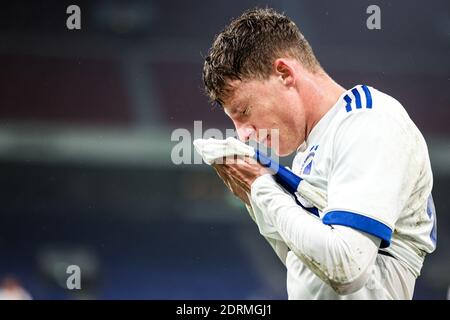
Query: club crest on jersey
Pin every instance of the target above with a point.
(308, 162)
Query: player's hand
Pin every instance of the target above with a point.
(238, 175)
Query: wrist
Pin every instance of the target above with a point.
(260, 181)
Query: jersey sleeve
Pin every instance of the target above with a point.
(370, 178)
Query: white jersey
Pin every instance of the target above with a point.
(372, 162)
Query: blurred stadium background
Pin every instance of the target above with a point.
(85, 140)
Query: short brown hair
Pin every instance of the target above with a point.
(248, 46)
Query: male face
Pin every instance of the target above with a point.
(261, 109)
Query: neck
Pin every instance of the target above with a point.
(323, 94)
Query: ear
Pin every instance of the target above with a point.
(284, 71)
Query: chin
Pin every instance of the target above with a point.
(282, 152)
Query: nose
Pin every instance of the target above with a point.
(245, 132)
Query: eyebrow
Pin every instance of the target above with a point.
(238, 110)
(235, 107)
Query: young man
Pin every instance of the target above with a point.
(359, 146)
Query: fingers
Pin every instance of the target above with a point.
(242, 185)
(224, 174)
(231, 181)
(239, 170)
(237, 187)
(220, 172)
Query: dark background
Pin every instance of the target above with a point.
(86, 118)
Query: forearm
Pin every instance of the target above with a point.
(280, 248)
(340, 256)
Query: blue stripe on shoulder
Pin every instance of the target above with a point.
(348, 107)
(358, 101)
(357, 98)
(368, 97)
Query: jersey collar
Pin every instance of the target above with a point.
(323, 123)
